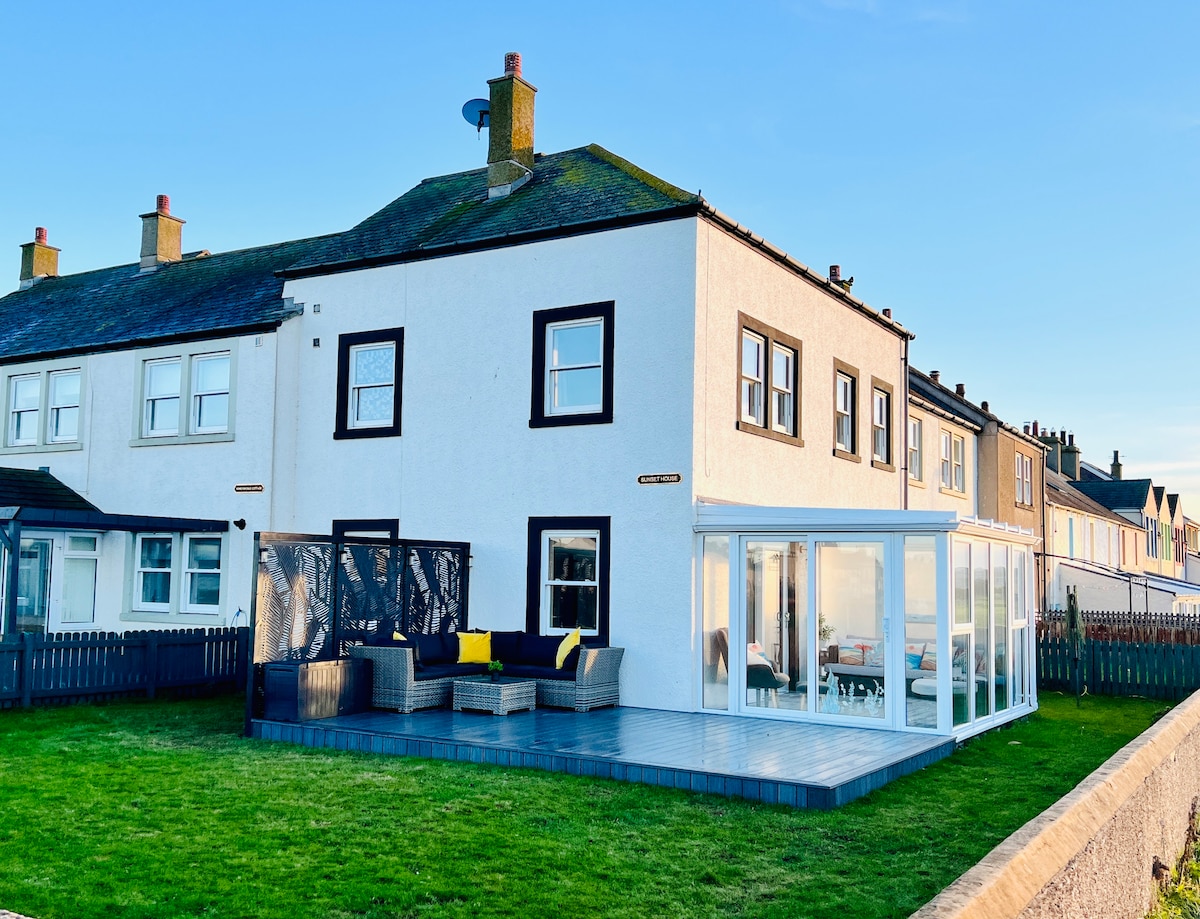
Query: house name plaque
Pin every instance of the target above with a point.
(247, 488)
(662, 478)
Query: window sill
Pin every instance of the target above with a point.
(364, 433)
(915, 483)
(846, 455)
(43, 448)
(144, 615)
(954, 493)
(224, 437)
(561, 421)
(886, 467)
(779, 436)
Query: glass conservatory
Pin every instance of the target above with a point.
(904, 620)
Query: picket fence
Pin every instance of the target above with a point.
(81, 666)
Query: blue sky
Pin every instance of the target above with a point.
(1017, 181)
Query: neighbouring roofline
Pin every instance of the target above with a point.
(937, 410)
(951, 395)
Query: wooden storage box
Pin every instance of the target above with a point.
(294, 691)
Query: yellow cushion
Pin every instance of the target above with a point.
(569, 642)
(474, 647)
(397, 636)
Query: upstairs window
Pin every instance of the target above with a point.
(43, 408)
(24, 407)
(769, 382)
(915, 450)
(881, 425)
(370, 374)
(845, 411)
(953, 469)
(185, 396)
(572, 361)
(1024, 480)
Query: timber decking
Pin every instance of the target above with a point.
(801, 765)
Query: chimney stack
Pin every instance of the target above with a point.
(960, 390)
(1070, 459)
(1115, 469)
(1054, 454)
(38, 259)
(835, 274)
(983, 405)
(935, 375)
(162, 235)
(510, 129)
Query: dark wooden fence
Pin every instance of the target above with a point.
(82, 666)
(1121, 654)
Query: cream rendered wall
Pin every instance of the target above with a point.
(733, 465)
(467, 465)
(928, 494)
(173, 480)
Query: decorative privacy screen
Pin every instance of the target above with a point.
(309, 607)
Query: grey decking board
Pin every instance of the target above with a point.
(797, 764)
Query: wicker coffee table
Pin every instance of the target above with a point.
(499, 698)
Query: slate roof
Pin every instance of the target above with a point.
(114, 308)
(1062, 491)
(41, 490)
(570, 192)
(1129, 494)
(926, 388)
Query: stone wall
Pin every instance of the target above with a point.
(1093, 853)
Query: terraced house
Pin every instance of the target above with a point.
(647, 422)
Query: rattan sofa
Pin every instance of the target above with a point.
(399, 684)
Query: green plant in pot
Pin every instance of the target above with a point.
(495, 669)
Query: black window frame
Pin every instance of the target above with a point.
(604, 311)
(533, 574)
(342, 429)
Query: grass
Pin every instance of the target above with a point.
(160, 809)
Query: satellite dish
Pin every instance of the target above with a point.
(475, 112)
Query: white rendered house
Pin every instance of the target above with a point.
(604, 385)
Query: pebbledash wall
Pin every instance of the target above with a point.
(1094, 852)
(123, 474)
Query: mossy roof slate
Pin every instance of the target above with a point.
(569, 192)
(113, 308)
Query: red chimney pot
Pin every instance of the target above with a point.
(512, 63)
(163, 204)
(39, 236)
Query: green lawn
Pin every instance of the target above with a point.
(160, 809)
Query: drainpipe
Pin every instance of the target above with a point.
(11, 537)
(904, 464)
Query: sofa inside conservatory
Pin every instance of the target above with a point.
(904, 620)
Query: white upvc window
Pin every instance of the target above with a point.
(210, 394)
(202, 576)
(844, 412)
(154, 556)
(881, 426)
(958, 450)
(186, 395)
(947, 471)
(915, 451)
(160, 417)
(24, 401)
(64, 406)
(570, 581)
(783, 389)
(372, 385)
(575, 367)
(178, 573)
(753, 378)
(1024, 480)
